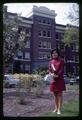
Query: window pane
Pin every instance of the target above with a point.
(27, 55)
(44, 33)
(48, 34)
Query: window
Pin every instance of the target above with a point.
(40, 33)
(77, 70)
(48, 22)
(40, 44)
(74, 69)
(40, 55)
(57, 37)
(44, 33)
(44, 21)
(48, 45)
(62, 36)
(39, 20)
(27, 55)
(44, 44)
(20, 54)
(44, 55)
(27, 67)
(28, 32)
(73, 47)
(74, 38)
(27, 44)
(58, 45)
(48, 55)
(48, 34)
(73, 58)
(21, 66)
(62, 46)
(77, 58)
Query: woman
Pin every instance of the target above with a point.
(57, 85)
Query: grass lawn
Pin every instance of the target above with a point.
(69, 109)
(72, 87)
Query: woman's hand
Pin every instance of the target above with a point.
(55, 76)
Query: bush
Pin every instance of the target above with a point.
(27, 83)
(38, 90)
(5, 84)
(41, 71)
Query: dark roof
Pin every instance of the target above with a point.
(26, 18)
(60, 25)
(12, 13)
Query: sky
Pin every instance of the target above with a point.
(61, 9)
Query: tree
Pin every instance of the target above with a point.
(12, 39)
(71, 36)
(71, 33)
(73, 14)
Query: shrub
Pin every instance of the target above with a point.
(41, 71)
(27, 83)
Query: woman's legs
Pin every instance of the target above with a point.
(56, 102)
(59, 96)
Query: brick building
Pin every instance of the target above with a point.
(43, 35)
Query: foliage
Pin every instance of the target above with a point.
(5, 84)
(28, 83)
(41, 71)
(73, 14)
(70, 34)
(12, 40)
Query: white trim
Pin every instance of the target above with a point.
(44, 36)
(41, 14)
(27, 21)
(60, 31)
(60, 27)
(22, 59)
(25, 25)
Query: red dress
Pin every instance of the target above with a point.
(59, 84)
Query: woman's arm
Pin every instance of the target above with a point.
(50, 71)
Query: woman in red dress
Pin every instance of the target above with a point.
(57, 85)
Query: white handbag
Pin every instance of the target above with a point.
(48, 77)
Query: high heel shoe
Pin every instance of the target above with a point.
(58, 112)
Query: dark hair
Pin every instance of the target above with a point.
(57, 50)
